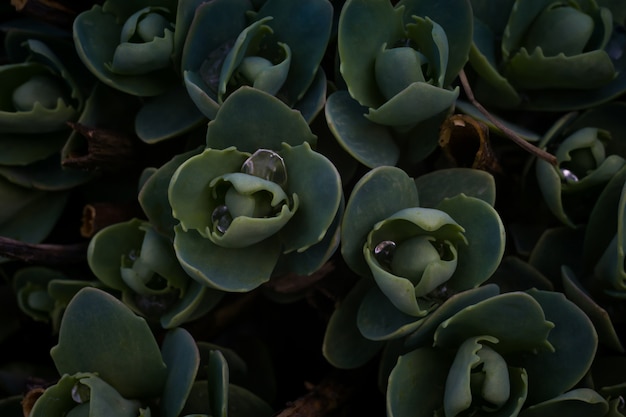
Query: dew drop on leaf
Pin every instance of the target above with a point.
(268, 165)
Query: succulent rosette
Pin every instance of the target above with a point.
(111, 364)
(526, 54)
(514, 354)
(44, 87)
(414, 252)
(43, 293)
(416, 256)
(398, 63)
(258, 200)
(590, 150)
(136, 48)
(277, 48)
(132, 258)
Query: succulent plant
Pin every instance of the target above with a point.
(483, 360)
(526, 56)
(277, 49)
(136, 49)
(110, 364)
(45, 87)
(398, 63)
(131, 257)
(258, 193)
(589, 152)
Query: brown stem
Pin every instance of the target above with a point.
(50, 254)
(539, 153)
(106, 150)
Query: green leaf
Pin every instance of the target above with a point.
(243, 403)
(416, 383)
(167, 115)
(433, 187)
(344, 346)
(515, 319)
(379, 319)
(369, 143)
(188, 192)
(226, 269)
(96, 36)
(269, 123)
(182, 358)
(100, 334)
(364, 27)
(153, 195)
(600, 318)
(575, 343)
(581, 402)
(316, 182)
(423, 336)
(416, 103)
(377, 195)
(218, 384)
(485, 235)
(305, 28)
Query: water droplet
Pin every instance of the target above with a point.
(221, 218)
(268, 165)
(81, 393)
(569, 175)
(133, 255)
(384, 251)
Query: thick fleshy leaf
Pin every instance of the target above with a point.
(305, 27)
(96, 36)
(379, 319)
(344, 346)
(358, 45)
(418, 393)
(581, 402)
(416, 103)
(105, 400)
(316, 182)
(94, 337)
(29, 215)
(369, 143)
(108, 247)
(197, 301)
(153, 195)
(167, 115)
(423, 336)
(313, 101)
(56, 400)
(435, 186)
(182, 359)
(502, 387)
(39, 118)
(377, 195)
(515, 319)
(557, 247)
(575, 342)
(218, 384)
(269, 123)
(188, 191)
(47, 174)
(458, 28)
(603, 220)
(600, 318)
(226, 269)
(485, 236)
